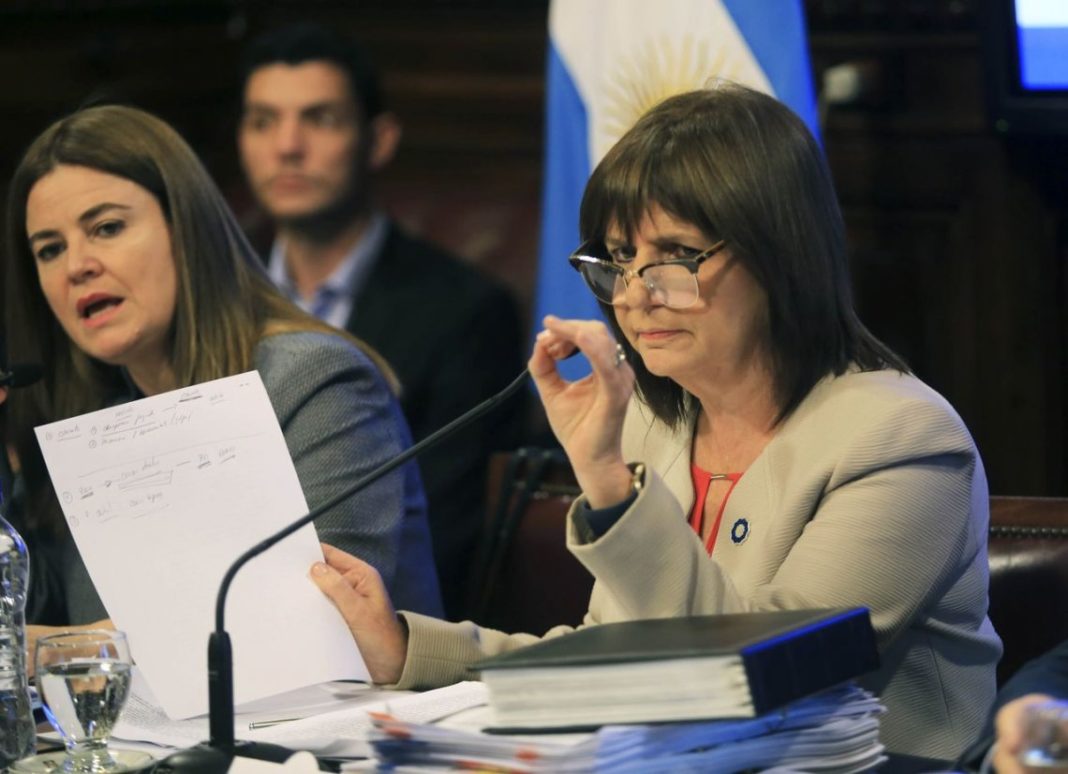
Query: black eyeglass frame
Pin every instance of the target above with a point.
(581, 257)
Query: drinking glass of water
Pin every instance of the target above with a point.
(84, 679)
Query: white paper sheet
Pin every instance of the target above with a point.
(143, 721)
(334, 719)
(343, 733)
(161, 495)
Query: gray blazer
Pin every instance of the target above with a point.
(871, 493)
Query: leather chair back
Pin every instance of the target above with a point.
(1028, 576)
(525, 579)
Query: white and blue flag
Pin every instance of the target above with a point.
(611, 60)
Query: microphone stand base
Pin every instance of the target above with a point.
(205, 759)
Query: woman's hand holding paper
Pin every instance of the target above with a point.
(356, 589)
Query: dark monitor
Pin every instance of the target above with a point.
(1026, 57)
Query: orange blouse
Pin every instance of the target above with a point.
(702, 480)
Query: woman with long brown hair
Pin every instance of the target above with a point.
(126, 275)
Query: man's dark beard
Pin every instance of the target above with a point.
(326, 224)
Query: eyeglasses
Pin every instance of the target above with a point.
(671, 283)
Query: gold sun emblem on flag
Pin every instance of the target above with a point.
(655, 70)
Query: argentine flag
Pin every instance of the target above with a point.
(611, 60)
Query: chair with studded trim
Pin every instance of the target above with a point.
(1028, 576)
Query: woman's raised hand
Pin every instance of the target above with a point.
(586, 415)
(356, 589)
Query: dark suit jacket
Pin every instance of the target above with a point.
(1046, 674)
(453, 337)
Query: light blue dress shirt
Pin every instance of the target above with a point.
(333, 299)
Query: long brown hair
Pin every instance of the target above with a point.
(225, 305)
(742, 167)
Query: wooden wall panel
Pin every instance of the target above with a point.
(465, 78)
(957, 233)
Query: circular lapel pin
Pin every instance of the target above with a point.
(740, 531)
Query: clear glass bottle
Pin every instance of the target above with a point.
(17, 730)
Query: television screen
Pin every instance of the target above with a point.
(1026, 58)
(1042, 43)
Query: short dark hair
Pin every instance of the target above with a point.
(307, 42)
(742, 167)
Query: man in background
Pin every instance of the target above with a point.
(314, 132)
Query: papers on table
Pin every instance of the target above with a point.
(345, 732)
(836, 731)
(162, 495)
(143, 720)
(335, 717)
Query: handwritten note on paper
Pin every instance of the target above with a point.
(161, 495)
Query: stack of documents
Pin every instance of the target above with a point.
(836, 732)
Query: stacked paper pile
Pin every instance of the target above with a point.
(836, 731)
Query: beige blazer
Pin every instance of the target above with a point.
(871, 493)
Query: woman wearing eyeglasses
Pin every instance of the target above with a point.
(747, 444)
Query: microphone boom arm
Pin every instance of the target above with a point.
(220, 661)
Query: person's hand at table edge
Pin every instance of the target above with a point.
(1011, 732)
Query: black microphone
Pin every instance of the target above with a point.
(217, 754)
(21, 375)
